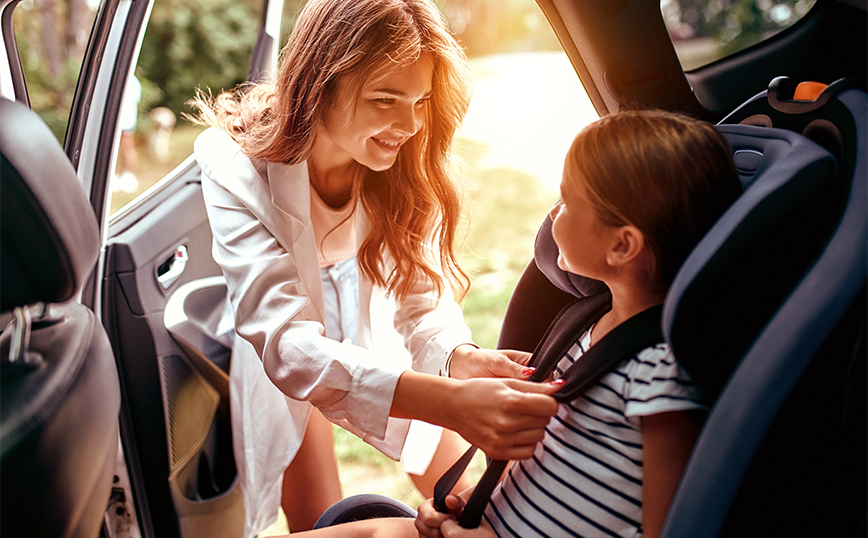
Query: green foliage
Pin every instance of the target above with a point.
(51, 96)
(190, 45)
(496, 26)
(731, 25)
(51, 65)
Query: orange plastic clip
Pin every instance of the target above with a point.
(809, 91)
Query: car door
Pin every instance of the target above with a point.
(157, 289)
(163, 302)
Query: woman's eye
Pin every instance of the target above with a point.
(421, 103)
(385, 101)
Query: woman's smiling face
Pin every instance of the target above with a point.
(390, 109)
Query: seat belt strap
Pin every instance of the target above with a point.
(576, 316)
(632, 336)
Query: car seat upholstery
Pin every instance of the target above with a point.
(543, 290)
(782, 452)
(60, 394)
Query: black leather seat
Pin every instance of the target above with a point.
(60, 397)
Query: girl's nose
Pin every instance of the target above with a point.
(555, 210)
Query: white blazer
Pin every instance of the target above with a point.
(264, 242)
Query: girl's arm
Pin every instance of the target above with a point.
(668, 439)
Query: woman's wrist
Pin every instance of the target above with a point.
(422, 397)
(445, 370)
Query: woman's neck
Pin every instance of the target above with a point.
(335, 185)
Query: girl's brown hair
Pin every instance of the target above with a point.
(668, 175)
(415, 201)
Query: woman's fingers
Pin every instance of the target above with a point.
(469, 362)
(505, 417)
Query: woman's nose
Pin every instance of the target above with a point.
(409, 120)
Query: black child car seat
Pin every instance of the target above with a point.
(768, 314)
(783, 452)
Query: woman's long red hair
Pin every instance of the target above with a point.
(416, 204)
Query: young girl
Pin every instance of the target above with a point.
(639, 190)
(334, 210)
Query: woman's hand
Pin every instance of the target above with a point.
(469, 361)
(505, 418)
(429, 520)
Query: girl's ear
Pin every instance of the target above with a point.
(627, 246)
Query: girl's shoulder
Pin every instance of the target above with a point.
(654, 381)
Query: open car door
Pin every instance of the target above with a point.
(163, 301)
(156, 288)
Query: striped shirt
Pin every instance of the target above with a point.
(585, 477)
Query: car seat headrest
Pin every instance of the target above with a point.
(50, 239)
(746, 265)
(546, 257)
(813, 109)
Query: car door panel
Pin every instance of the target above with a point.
(177, 418)
(158, 275)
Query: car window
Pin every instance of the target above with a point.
(188, 45)
(51, 38)
(528, 106)
(704, 31)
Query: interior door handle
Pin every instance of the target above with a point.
(170, 270)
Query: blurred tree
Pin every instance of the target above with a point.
(733, 24)
(188, 44)
(192, 44)
(52, 36)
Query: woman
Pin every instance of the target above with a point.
(334, 214)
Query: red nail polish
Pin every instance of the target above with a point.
(527, 372)
(558, 382)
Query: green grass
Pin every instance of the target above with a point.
(505, 211)
(150, 170)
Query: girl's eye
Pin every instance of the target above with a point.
(422, 102)
(385, 101)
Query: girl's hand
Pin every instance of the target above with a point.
(451, 529)
(469, 361)
(429, 520)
